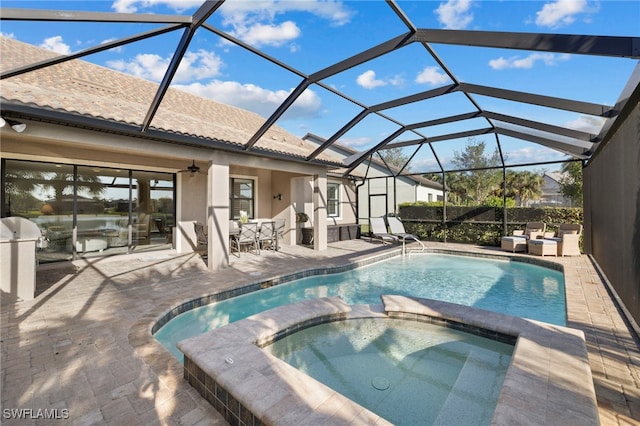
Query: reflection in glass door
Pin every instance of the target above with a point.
(102, 210)
(90, 211)
(153, 207)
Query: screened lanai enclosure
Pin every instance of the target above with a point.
(379, 77)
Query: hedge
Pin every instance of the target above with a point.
(482, 225)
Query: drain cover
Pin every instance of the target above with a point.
(380, 383)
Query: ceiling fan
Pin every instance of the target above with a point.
(192, 169)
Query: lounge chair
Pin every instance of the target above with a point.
(378, 230)
(397, 229)
(568, 239)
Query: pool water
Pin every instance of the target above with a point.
(408, 372)
(503, 286)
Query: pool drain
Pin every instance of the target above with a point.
(380, 383)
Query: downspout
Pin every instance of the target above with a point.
(358, 185)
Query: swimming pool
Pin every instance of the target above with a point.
(408, 372)
(509, 287)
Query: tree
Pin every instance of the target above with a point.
(523, 186)
(61, 182)
(571, 184)
(480, 180)
(394, 157)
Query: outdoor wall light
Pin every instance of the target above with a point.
(15, 125)
(278, 197)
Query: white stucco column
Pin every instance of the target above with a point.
(320, 212)
(218, 213)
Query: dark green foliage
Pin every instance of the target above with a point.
(480, 225)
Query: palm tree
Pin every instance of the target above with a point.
(61, 181)
(523, 186)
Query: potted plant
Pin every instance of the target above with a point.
(244, 217)
(307, 233)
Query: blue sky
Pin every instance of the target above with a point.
(311, 35)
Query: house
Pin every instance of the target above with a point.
(85, 133)
(551, 193)
(384, 188)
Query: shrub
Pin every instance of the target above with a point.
(481, 225)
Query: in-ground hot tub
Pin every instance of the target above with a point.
(408, 372)
(548, 380)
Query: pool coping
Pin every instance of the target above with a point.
(548, 380)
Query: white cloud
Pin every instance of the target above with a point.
(255, 98)
(267, 34)
(560, 12)
(531, 154)
(194, 66)
(527, 62)
(587, 124)
(133, 6)
(8, 35)
(118, 49)
(56, 44)
(256, 22)
(356, 142)
(236, 12)
(433, 76)
(455, 14)
(368, 80)
(425, 164)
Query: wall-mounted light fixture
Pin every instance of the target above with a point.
(277, 197)
(15, 125)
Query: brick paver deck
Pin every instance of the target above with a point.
(83, 348)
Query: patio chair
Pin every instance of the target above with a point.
(267, 235)
(280, 224)
(378, 230)
(202, 241)
(518, 241)
(533, 230)
(397, 229)
(247, 237)
(568, 239)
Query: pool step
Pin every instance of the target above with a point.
(476, 389)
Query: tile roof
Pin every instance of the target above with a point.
(85, 89)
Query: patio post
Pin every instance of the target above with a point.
(320, 211)
(218, 213)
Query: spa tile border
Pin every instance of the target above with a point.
(250, 387)
(548, 381)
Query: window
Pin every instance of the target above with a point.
(242, 193)
(333, 199)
